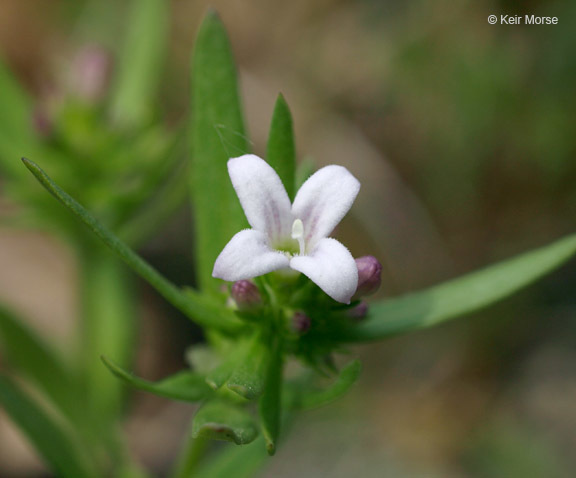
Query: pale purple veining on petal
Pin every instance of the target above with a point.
(262, 195)
(323, 200)
(247, 255)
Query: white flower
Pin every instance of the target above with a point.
(285, 235)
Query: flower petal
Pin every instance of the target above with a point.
(323, 200)
(262, 195)
(248, 255)
(331, 267)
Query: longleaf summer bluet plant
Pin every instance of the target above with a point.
(274, 287)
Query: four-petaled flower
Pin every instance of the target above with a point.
(285, 235)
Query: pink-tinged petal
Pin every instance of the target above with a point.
(248, 255)
(262, 195)
(331, 267)
(323, 200)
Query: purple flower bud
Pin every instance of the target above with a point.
(369, 276)
(301, 323)
(246, 295)
(359, 312)
(91, 73)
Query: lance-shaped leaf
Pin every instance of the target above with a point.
(32, 357)
(53, 442)
(219, 420)
(460, 296)
(281, 153)
(270, 405)
(140, 64)
(186, 386)
(217, 135)
(201, 310)
(347, 377)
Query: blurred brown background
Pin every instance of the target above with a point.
(462, 134)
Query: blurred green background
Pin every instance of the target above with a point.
(462, 134)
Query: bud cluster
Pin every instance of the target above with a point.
(303, 314)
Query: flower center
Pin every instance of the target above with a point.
(298, 233)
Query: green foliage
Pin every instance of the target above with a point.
(281, 151)
(270, 406)
(15, 119)
(189, 302)
(240, 462)
(217, 134)
(250, 353)
(55, 443)
(108, 328)
(344, 381)
(218, 376)
(220, 420)
(460, 296)
(186, 386)
(25, 351)
(141, 61)
(248, 376)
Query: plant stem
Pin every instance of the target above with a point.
(191, 456)
(107, 328)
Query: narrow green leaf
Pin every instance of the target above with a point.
(53, 443)
(217, 134)
(248, 377)
(33, 358)
(220, 420)
(270, 406)
(281, 152)
(460, 296)
(339, 388)
(196, 307)
(140, 65)
(186, 386)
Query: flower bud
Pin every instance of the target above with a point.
(359, 312)
(301, 323)
(369, 276)
(246, 295)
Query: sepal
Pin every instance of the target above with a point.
(220, 420)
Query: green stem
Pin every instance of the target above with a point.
(107, 328)
(191, 456)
